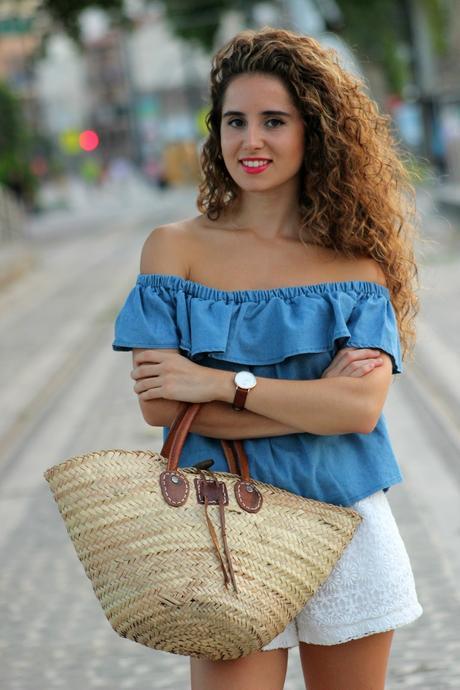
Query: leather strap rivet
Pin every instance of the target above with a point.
(175, 479)
(249, 488)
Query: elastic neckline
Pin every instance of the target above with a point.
(202, 291)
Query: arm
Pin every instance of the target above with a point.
(167, 250)
(216, 420)
(338, 405)
(160, 385)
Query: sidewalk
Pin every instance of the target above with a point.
(436, 364)
(16, 259)
(77, 209)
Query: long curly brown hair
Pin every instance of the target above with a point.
(356, 196)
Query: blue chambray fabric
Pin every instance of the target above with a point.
(287, 333)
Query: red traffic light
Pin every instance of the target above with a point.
(88, 140)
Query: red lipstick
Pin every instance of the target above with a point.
(263, 164)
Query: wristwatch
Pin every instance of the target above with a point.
(244, 381)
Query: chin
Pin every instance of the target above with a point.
(264, 185)
(255, 181)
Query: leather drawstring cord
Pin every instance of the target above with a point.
(224, 539)
(212, 532)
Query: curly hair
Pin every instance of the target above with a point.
(355, 196)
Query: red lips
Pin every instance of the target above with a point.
(254, 170)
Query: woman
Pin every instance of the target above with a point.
(299, 270)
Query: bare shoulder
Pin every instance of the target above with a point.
(369, 269)
(361, 268)
(167, 249)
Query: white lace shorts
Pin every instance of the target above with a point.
(371, 588)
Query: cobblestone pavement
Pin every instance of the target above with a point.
(54, 634)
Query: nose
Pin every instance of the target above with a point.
(253, 137)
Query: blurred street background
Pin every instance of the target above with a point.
(102, 108)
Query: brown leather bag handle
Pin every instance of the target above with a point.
(165, 451)
(235, 455)
(235, 451)
(180, 434)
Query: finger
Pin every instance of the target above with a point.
(146, 384)
(331, 370)
(361, 368)
(142, 356)
(355, 368)
(341, 359)
(347, 355)
(145, 370)
(350, 367)
(148, 356)
(151, 394)
(352, 353)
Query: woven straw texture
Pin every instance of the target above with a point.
(155, 572)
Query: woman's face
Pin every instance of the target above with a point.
(259, 121)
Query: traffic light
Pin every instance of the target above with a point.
(88, 140)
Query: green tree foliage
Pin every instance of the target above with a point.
(198, 20)
(379, 31)
(15, 147)
(437, 12)
(66, 12)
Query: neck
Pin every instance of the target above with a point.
(270, 214)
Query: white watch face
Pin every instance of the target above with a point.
(244, 379)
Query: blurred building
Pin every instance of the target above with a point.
(169, 91)
(109, 95)
(61, 85)
(447, 91)
(143, 92)
(20, 38)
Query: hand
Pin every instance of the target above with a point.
(350, 361)
(170, 375)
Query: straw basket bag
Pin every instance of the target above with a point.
(147, 534)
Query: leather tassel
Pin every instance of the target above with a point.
(215, 541)
(213, 534)
(224, 539)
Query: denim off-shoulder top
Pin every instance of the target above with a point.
(286, 333)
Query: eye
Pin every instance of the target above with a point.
(274, 119)
(230, 122)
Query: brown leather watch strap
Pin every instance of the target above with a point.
(240, 398)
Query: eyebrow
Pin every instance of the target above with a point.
(264, 112)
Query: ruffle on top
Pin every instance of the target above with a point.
(256, 327)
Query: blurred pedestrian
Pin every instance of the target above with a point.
(299, 272)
